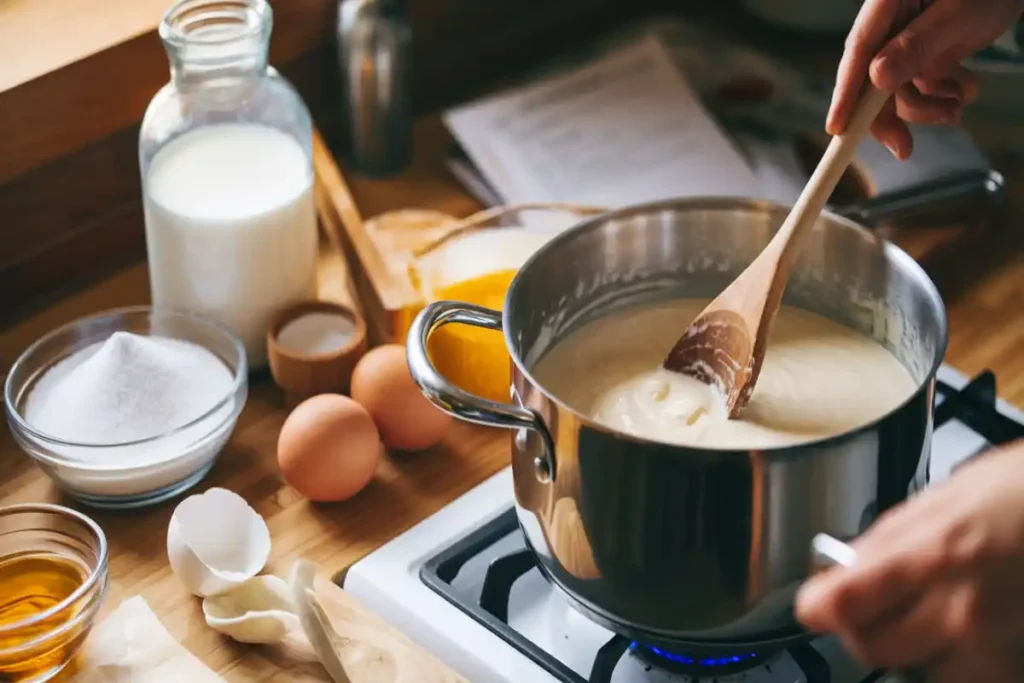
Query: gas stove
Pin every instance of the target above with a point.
(463, 585)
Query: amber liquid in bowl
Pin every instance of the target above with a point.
(30, 584)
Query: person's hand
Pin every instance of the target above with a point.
(913, 48)
(939, 581)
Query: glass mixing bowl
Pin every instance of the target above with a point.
(136, 473)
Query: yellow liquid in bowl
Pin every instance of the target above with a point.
(472, 358)
(31, 584)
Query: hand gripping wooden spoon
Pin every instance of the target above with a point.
(725, 345)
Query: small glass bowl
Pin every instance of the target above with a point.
(141, 475)
(38, 646)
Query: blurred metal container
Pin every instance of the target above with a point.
(374, 38)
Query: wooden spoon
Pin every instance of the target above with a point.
(725, 345)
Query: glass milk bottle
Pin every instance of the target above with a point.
(225, 153)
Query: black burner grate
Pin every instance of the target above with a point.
(491, 610)
(974, 405)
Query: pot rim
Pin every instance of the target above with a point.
(892, 252)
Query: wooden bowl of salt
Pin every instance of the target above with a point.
(313, 348)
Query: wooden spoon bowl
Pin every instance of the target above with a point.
(726, 343)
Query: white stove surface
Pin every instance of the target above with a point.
(388, 582)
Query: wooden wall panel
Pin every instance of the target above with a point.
(88, 100)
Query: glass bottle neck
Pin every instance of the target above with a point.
(213, 40)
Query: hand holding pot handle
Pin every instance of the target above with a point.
(460, 403)
(936, 580)
(829, 551)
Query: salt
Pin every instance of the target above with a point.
(127, 388)
(317, 333)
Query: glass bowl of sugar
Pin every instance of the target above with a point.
(129, 407)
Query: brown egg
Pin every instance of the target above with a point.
(328, 448)
(407, 421)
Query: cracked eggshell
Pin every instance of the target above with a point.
(261, 610)
(215, 542)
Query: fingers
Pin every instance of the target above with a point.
(892, 132)
(917, 633)
(867, 37)
(973, 661)
(896, 555)
(939, 38)
(944, 633)
(933, 36)
(959, 83)
(937, 100)
(933, 100)
(849, 599)
(920, 64)
(914, 107)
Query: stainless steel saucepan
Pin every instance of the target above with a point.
(681, 547)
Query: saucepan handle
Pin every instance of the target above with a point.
(460, 403)
(933, 195)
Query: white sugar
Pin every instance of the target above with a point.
(317, 333)
(127, 388)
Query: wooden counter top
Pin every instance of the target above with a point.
(978, 267)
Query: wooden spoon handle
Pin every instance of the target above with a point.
(826, 176)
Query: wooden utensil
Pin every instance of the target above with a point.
(725, 345)
(387, 303)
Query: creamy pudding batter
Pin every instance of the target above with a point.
(819, 379)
